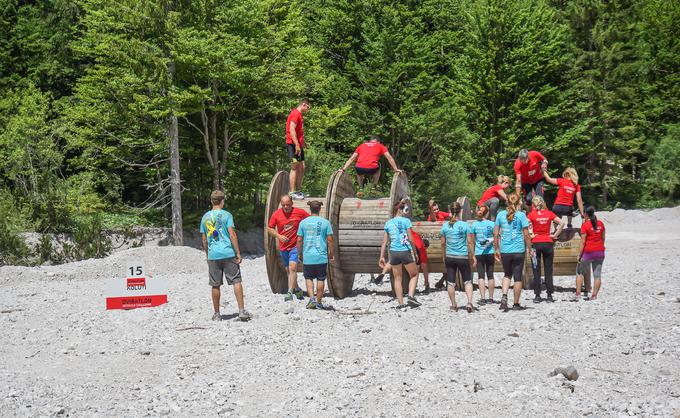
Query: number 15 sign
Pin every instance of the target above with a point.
(135, 290)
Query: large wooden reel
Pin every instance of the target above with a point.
(358, 232)
(276, 271)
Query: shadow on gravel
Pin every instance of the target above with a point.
(230, 316)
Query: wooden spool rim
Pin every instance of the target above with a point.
(399, 189)
(334, 198)
(277, 187)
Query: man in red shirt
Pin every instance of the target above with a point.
(286, 220)
(436, 215)
(367, 155)
(529, 177)
(295, 144)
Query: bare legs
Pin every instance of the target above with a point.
(320, 288)
(297, 172)
(412, 270)
(238, 293)
(517, 289)
(292, 276)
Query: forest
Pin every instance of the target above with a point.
(115, 112)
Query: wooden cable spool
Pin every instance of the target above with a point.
(276, 271)
(358, 227)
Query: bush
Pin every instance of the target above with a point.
(662, 171)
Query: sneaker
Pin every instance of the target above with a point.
(413, 302)
(481, 302)
(216, 316)
(296, 195)
(312, 304)
(288, 297)
(537, 299)
(299, 294)
(401, 307)
(378, 279)
(469, 308)
(244, 316)
(453, 308)
(439, 284)
(550, 299)
(594, 297)
(504, 305)
(517, 307)
(577, 298)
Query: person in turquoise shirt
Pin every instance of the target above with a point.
(315, 247)
(512, 240)
(220, 244)
(482, 230)
(398, 232)
(458, 243)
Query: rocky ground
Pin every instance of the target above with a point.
(62, 353)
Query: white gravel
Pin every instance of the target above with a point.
(62, 353)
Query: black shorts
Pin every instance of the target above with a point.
(513, 265)
(454, 265)
(366, 171)
(400, 257)
(315, 271)
(291, 153)
(563, 210)
(485, 263)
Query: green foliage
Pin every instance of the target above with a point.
(662, 172)
(454, 88)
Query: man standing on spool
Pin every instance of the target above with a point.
(286, 220)
(295, 144)
(368, 155)
(529, 177)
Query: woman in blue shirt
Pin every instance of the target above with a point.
(458, 254)
(482, 231)
(398, 232)
(512, 241)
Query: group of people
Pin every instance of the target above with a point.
(497, 235)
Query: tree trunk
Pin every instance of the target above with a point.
(175, 183)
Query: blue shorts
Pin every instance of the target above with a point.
(290, 256)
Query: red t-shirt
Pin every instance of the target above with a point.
(531, 171)
(420, 247)
(593, 237)
(441, 216)
(489, 193)
(369, 154)
(541, 221)
(287, 225)
(566, 192)
(295, 116)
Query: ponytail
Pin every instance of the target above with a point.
(513, 203)
(397, 207)
(590, 211)
(455, 209)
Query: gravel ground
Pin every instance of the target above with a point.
(62, 353)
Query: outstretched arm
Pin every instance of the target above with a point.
(349, 161)
(547, 177)
(393, 163)
(518, 184)
(502, 195)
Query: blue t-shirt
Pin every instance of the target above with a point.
(215, 225)
(512, 235)
(456, 238)
(397, 228)
(483, 231)
(314, 230)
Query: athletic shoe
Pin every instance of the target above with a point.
(216, 316)
(412, 302)
(537, 299)
(518, 307)
(490, 301)
(244, 315)
(296, 195)
(577, 298)
(299, 294)
(439, 284)
(401, 307)
(453, 308)
(550, 299)
(312, 304)
(288, 297)
(378, 279)
(481, 302)
(504, 305)
(469, 308)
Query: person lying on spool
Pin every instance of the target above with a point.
(368, 156)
